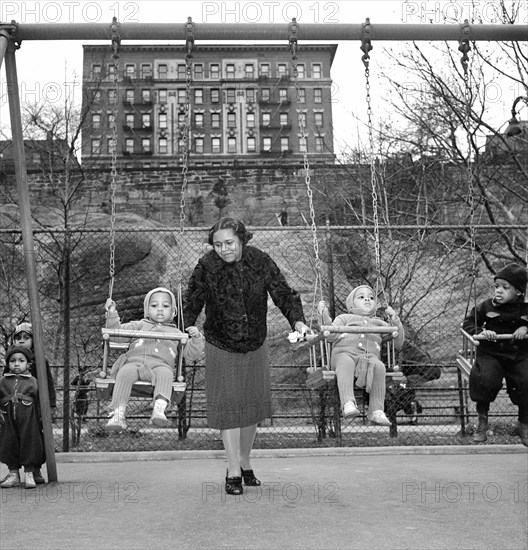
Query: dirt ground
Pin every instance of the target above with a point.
(364, 498)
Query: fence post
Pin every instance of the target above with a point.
(462, 404)
(66, 342)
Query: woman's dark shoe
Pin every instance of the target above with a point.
(233, 485)
(249, 478)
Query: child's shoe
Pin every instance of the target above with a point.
(350, 410)
(38, 477)
(481, 431)
(158, 417)
(378, 417)
(117, 422)
(30, 481)
(11, 480)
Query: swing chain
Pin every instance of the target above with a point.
(464, 46)
(294, 29)
(303, 141)
(116, 43)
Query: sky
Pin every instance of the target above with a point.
(50, 69)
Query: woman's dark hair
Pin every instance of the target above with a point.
(230, 223)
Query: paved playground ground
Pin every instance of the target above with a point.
(369, 498)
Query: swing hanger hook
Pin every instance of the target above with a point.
(116, 38)
(366, 44)
(293, 27)
(189, 41)
(464, 46)
(9, 32)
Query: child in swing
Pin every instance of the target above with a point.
(21, 441)
(357, 356)
(505, 313)
(148, 359)
(23, 336)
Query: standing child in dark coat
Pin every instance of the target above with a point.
(21, 441)
(23, 336)
(506, 313)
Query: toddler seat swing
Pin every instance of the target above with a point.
(120, 339)
(319, 373)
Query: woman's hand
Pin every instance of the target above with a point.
(391, 314)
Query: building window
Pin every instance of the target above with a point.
(283, 117)
(250, 120)
(264, 70)
(96, 121)
(96, 96)
(231, 120)
(96, 71)
(265, 94)
(111, 120)
(214, 71)
(182, 145)
(198, 96)
(319, 144)
(250, 95)
(162, 120)
(318, 119)
(215, 120)
(146, 70)
(300, 70)
(216, 145)
(282, 69)
(215, 95)
(182, 95)
(318, 95)
(145, 120)
(230, 70)
(96, 145)
(302, 95)
(266, 144)
(302, 120)
(129, 145)
(198, 71)
(129, 96)
(162, 71)
(145, 96)
(199, 145)
(230, 95)
(182, 71)
(285, 144)
(130, 70)
(249, 71)
(302, 145)
(162, 146)
(112, 96)
(145, 145)
(283, 94)
(110, 145)
(181, 120)
(198, 119)
(231, 145)
(266, 119)
(316, 70)
(251, 144)
(112, 69)
(129, 120)
(162, 95)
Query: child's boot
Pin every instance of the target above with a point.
(11, 480)
(29, 481)
(481, 430)
(378, 417)
(350, 410)
(158, 417)
(118, 422)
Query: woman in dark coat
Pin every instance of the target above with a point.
(233, 281)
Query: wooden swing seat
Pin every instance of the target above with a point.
(113, 339)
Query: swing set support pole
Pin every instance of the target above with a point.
(267, 31)
(29, 255)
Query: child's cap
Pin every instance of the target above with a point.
(19, 349)
(351, 297)
(23, 327)
(153, 291)
(515, 274)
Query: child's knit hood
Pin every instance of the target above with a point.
(352, 296)
(149, 296)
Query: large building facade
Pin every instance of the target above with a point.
(244, 104)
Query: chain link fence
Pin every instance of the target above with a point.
(426, 275)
